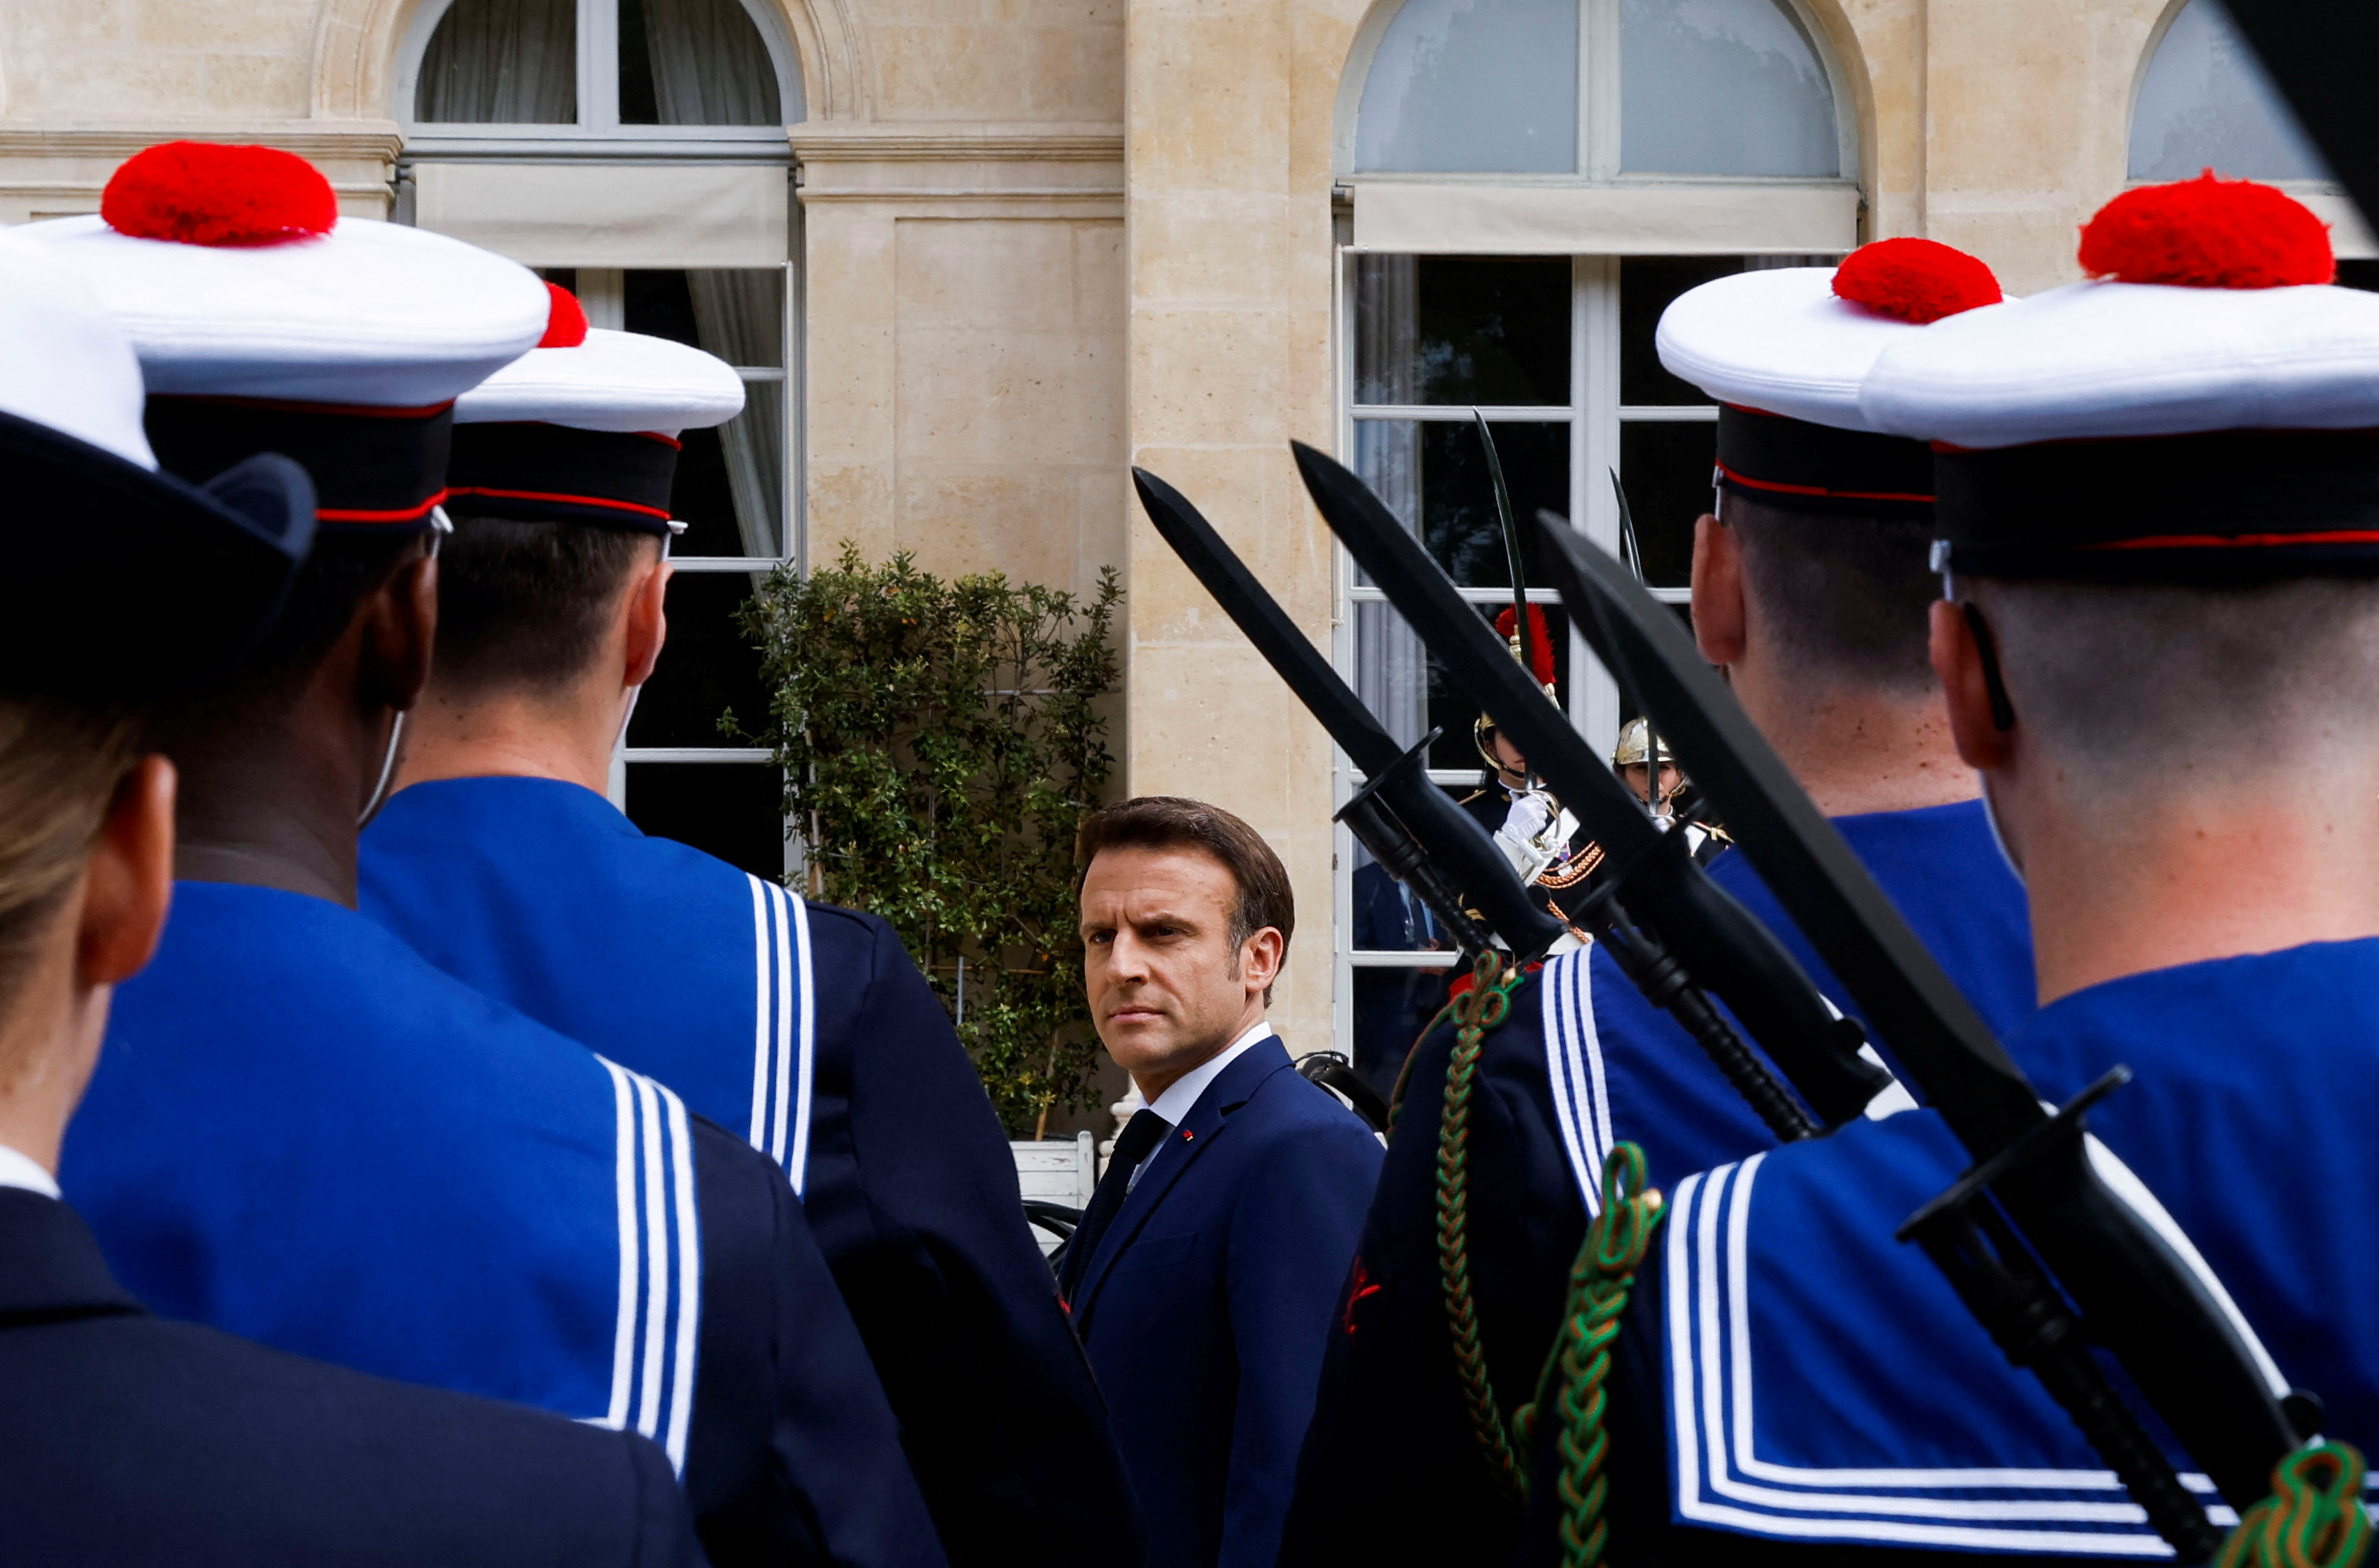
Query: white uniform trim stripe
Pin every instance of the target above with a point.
(1574, 1066)
(799, 1164)
(657, 1295)
(781, 972)
(689, 1274)
(1707, 1309)
(762, 1040)
(624, 1339)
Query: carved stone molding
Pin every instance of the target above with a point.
(936, 163)
(50, 170)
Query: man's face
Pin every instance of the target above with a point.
(1166, 988)
(1637, 776)
(1515, 761)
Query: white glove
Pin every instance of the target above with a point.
(1535, 832)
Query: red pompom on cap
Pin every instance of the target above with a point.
(1540, 640)
(2208, 233)
(203, 193)
(565, 319)
(1916, 280)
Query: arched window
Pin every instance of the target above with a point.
(1530, 183)
(1702, 86)
(602, 67)
(635, 150)
(2206, 103)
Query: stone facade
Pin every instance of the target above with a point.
(1046, 239)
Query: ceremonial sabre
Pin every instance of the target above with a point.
(1679, 935)
(2178, 1336)
(1407, 822)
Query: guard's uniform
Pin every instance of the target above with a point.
(132, 1440)
(1789, 1373)
(303, 1132)
(1583, 1062)
(802, 1026)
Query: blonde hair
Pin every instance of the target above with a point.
(60, 763)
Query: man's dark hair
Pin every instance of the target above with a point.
(525, 605)
(344, 569)
(1174, 822)
(1846, 595)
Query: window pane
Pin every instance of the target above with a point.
(501, 63)
(1462, 328)
(1392, 1005)
(735, 810)
(705, 667)
(730, 481)
(1435, 472)
(1667, 470)
(2207, 103)
(1379, 629)
(1473, 86)
(1647, 284)
(737, 314)
(1722, 87)
(693, 63)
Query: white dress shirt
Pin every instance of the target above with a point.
(23, 1170)
(1181, 1096)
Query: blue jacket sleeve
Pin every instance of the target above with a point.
(1293, 1235)
(1004, 1426)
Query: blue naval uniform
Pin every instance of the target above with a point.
(676, 964)
(1582, 1062)
(302, 1133)
(1803, 1377)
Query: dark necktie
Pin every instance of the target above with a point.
(1141, 1135)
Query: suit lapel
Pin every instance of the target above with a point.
(1173, 1157)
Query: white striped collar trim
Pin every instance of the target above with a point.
(659, 1310)
(1574, 1068)
(784, 1025)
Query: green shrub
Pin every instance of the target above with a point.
(941, 743)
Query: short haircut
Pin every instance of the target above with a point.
(60, 763)
(2137, 688)
(342, 572)
(525, 605)
(1845, 596)
(1175, 822)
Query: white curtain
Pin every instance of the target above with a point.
(739, 316)
(710, 67)
(1391, 671)
(503, 62)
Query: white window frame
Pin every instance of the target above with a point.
(1596, 217)
(599, 139)
(599, 131)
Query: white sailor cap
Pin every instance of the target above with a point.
(129, 585)
(266, 322)
(583, 427)
(1784, 351)
(2208, 404)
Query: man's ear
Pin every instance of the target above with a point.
(1260, 957)
(131, 880)
(1720, 625)
(647, 621)
(1965, 673)
(400, 633)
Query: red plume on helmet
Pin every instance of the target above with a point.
(1540, 640)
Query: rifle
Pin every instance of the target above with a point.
(2033, 1221)
(1680, 937)
(1405, 822)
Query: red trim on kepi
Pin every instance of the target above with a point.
(1795, 466)
(556, 473)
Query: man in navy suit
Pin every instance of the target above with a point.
(1204, 1273)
